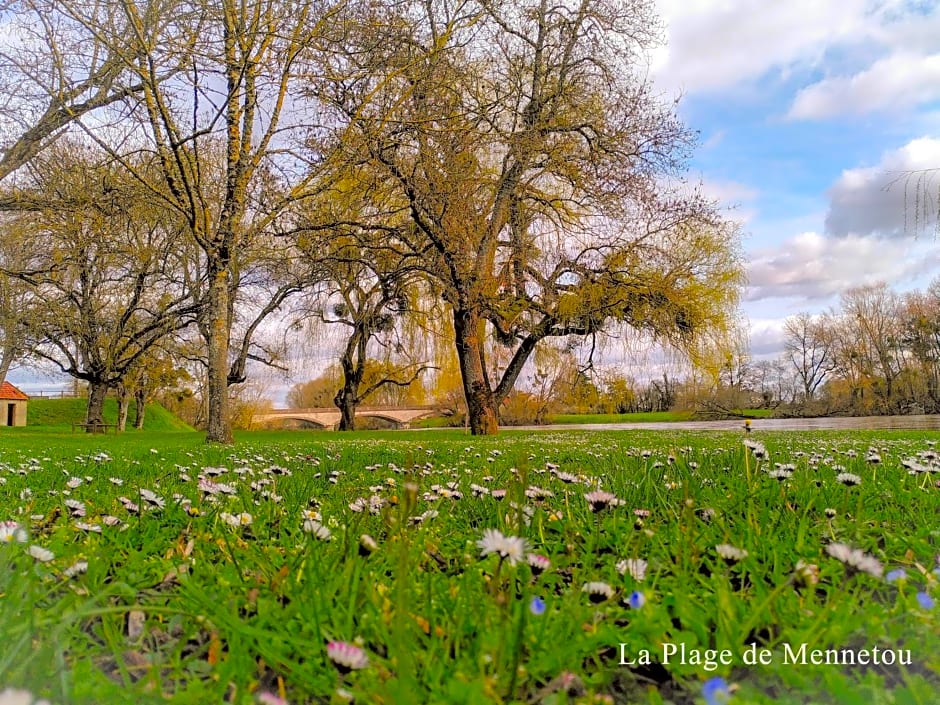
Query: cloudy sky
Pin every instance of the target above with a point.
(810, 112)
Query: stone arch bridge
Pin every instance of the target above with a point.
(329, 417)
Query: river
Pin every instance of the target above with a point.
(922, 422)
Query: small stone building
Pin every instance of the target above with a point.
(12, 406)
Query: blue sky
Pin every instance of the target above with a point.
(807, 110)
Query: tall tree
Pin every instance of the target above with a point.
(235, 143)
(538, 171)
(103, 267)
(808, 350)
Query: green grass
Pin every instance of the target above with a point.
(178, 607)
(60, 414)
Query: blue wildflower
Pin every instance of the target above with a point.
(537, 606)
(716, 691)
(636, 600)
(895, 575)
(925, 600)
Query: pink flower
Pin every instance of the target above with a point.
(346, 657)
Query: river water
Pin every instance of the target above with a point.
(923, 422)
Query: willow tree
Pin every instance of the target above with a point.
(229, 131)
(374, 300)
(540, 174)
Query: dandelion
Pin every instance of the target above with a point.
(511, 548)
(855, 559)
(12, 532)
(537, 606)
(716, 691)
(636, 600)
(346, 657)
(597, 591)
(848, 479)
(636, 567)
(730, 554)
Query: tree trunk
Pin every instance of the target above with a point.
(140, 397)
(345, 401)
(481, 403)
(218, 424)
(123, 400)
(94, 414)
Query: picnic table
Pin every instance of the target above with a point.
(95, 427)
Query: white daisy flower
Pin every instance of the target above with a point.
(847, 478)
(43, 555)
(13, 696)
(347, 657)
(598, 591)
(314, 527)
(12, 532)
(855, 559)
(76, 568)
(636, 567)
(729, 553)
(511, 548)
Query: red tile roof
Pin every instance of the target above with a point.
(8, 391)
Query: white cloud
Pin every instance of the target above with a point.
(888, 199)
(896, 82)
(715, 44)
(812, 267)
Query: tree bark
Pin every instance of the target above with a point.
(218, 424)
(346, 403)
(94, 414)
(123, 400)
(481, 402)
(140, 397)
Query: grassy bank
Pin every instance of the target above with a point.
(60, 414)
(254, 581)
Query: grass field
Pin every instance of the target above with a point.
(631, 567)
